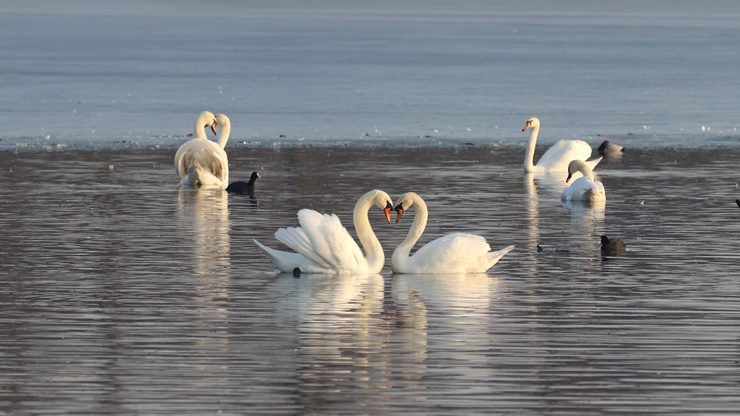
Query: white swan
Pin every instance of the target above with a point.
(557, 157)
(323, 245)
(585, 188)
(201, 162)
(453, 253)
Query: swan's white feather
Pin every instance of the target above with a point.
(322, 244)
(584, 189)
(557, 157)
(455, 253)
(206, 154)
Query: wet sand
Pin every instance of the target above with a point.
(121, 294)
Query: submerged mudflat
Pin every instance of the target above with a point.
(121, 294)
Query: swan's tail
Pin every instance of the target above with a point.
(593, 162)
(284, 261)
(198, 177)
(495, 256)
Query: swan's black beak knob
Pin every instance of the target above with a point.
(399, 212)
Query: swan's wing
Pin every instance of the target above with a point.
(559, 155)
(205, 153)
(323, 240)
(453, 253)
(580, 189)
(184, 156)
(331, 240)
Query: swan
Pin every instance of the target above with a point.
(557, 157)
(324, 246)
(585, 188)
(607, 148)
(201, 162)
(453, 253)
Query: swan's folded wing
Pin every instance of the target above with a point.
(456, 250)
(557, 157)
(330, 240)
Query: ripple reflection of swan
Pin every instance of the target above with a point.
(453, 253)
(201, 162)
(324, 246)
(557, 157)
(203, 231)
(341, 332)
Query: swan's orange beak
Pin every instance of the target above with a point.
(527, 125)
(213, 127)
(569, 176)
(387, 211)
(399, 213)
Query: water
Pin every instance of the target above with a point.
(120, 294)
(664, 76)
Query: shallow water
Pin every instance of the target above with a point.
(120, 294)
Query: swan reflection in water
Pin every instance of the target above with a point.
(367, 334)
(342, 334)
(203, 221)
(447, 316)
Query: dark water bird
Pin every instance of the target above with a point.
(612, 247)
(241, 187)
(610, 149)
(737, 201)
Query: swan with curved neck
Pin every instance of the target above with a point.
(453, 253)
(225, 131)
(557, 157)
(201, 162)
(585, 188)
(324, 246)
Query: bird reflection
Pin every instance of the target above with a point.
(341, 335)
(203, 220)
(430, 308)
(586, 219)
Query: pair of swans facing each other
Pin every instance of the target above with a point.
(323, 245)
(201, 162)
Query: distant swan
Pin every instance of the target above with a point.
(453, 253)
(201, 162)
(585, 188)
(323, 245)
(557, 157)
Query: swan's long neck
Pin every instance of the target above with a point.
(200, 130)
(373, 250)
(586, 171)
(223, 135)
(529, 156)
(401, 253)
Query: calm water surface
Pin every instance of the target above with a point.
(120, 294)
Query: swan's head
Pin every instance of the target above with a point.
(381, 200)
(532, 123)
(576, 166)
(207, 119)
(403, 203)
(221, 120)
